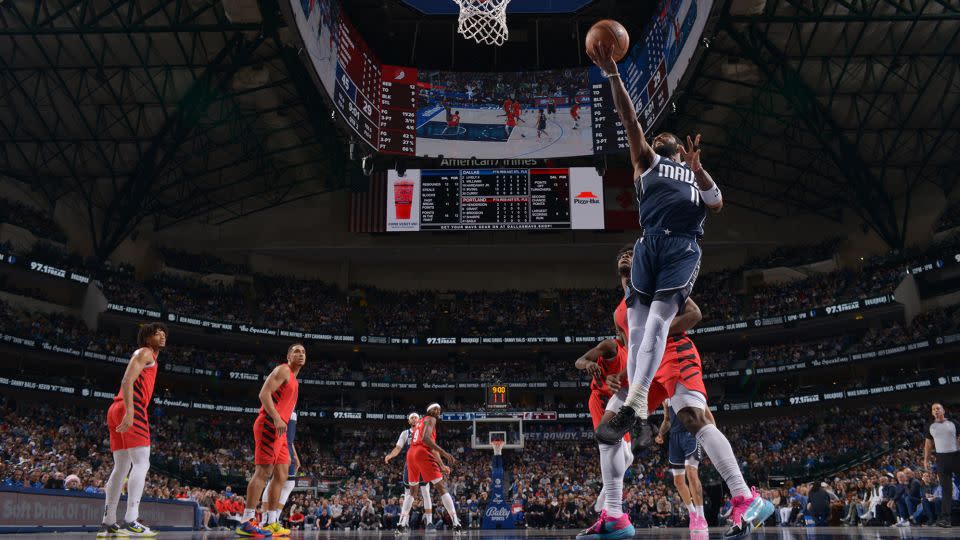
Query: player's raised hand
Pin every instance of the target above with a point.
(691, 153)
(602, 56)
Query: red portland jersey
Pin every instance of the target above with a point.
(418, 434)
(142, 387)
(285, 398)
(620, 318)
(610, 366)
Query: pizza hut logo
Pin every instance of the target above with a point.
(586, 197)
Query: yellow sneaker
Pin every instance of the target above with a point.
(277, 530)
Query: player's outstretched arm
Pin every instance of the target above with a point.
(589, 361)
(278, 376)
(393, 453)
(690, 318)
(709, 192)
(641, 153)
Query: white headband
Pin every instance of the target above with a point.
(432, 405)
(413, 415)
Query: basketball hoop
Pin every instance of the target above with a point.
(498, 447)
(484, 21)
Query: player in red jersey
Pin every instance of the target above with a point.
(607, 362)
(453, 123)
(425, 460)
(129, 426)
(575, 114)
(278, 399)
(508, 106)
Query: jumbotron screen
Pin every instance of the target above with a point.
(494, 199)
(514, 115)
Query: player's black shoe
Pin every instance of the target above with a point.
(457, 529)
(402, 529)
(613, 431)
(741, 530)
(111, 531)
(943, 522)
(642, 437)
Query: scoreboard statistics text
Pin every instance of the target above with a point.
(494, 199)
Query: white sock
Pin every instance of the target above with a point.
(274, 516)
(448, 504)
(249, 513)
(140, 456)
(611, 468)
(691, 508)
(121, 467)
(717, 447)
(428, 517)
(700, 511)
(285, 491)
(647, 344)
(405, 509)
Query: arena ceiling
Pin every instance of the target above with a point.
(816, 105)
(167, 111)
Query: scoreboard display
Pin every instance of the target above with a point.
(357, 91)
(492, 199)
(498, 396)
(408, 111)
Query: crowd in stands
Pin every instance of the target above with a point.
(553, 483)
(314, 306)
(304, 305)
(66, 331)
(187, 296)
(28, 217)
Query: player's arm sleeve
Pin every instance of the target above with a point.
(641, 153)
(402, 439)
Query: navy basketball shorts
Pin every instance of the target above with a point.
(682, 447)
(664, 264)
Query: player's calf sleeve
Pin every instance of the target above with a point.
(140, 457)
(427, 500)
(121, 466)
(612, 469)
(285, 492)
(405, 509)
(451, 510)
(718, 448)
(649, 353)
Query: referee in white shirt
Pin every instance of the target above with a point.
(941, 437)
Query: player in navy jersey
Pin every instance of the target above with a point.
(674, 192)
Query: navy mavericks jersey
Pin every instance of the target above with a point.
(669, 199)
(675, 425)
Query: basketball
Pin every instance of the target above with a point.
(612, 34)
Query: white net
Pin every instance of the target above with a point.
(498, 447)
(484, 21)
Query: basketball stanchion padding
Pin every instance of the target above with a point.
(484, 21)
